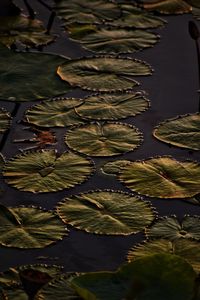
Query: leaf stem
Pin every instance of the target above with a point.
(30, 10)
(50, 22)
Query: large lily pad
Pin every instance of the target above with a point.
(170, 228)
(29, 227)
(181, 131)
(46, 172)
(112, 40)
(112, 106)
(105, 139)
(167, 6)
(155, 277)
(87, 12)
(26, 76)
(55, 113)
(162, 177)
(5, 119)
(103, 73)
(106, 212)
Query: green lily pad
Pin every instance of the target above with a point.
(162, 177)
(170, 228)
(87, 12)
(105, 139)
(29, 227)
(5, 119)
(167, 6)
(114, 167)
(15, 294)
(23, 30)
(182, 131)
(103, 73)
(112, 40)
(155, 277)
(29, 76)
(112, 106)
(43, 171)
(55, 113)
(106, 212)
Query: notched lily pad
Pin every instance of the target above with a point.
(5, 120)
(44, 171)
(167, 6)
(162, 177)
(103, 73)
(105, 139)
(106, 212)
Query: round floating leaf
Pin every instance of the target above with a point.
(4, 120)
(55, 113)
(15, 294)
(162, 177)
(105, 139)
(170, 228)
(106, 212)
(45, 172)
(29, 227)
(167, 6)
(155, 277)
(93, 11)
(114, 167)
(29, 76)
(181, 131)
(24, 30)
(112, 106)
(103, 73)
(112, 40)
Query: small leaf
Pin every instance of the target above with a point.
(114, 167)
(167, 6)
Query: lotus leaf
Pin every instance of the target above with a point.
(103, 73)
(155, 277)
(170, 228)
(181, 131)
(112, 106)
(24, 30)
(15, 294)
(57, 113)
(26, 76)
(167, 6)
(162, 177)
(112, 40)
(189, 250)
(44, 171)
(114, 167)
(105, 139)
(106, 212)
(4, 120)
(92, 11)
(29, 227)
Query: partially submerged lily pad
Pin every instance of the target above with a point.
(44, 171)
(106, 212)
(162, 177)
(5, 119)
(103, 73)
(167, 6)
(105, 139)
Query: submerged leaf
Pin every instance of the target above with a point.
(167, 6)
(44, 172)
(162, 177)
(5, 119)
(103, 73)
(105, 139)
(106, 212)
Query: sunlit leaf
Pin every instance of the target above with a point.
(5, 119)
(55, 113)
(105, 139)
(112, 106)
(103, 73)
(114, 167)
(162, 177)
(106, 212)
(181, 131)
(167, 6)
(26, 76)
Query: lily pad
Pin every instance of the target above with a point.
(114, 167)
(29, 76)
(112, 106)
(182, 131)
(55, 113)
(103, 73)
(5, 119)
(112, 40)
(170, 228)
(106, 212)
(15, 294)
(167, 6)
(44, 171)
(162, 177)
(105, 139)
(87, 12)
(29, 227)
(194, 3)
